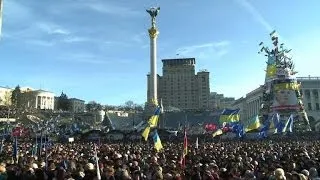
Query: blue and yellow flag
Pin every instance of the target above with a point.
(155, 102)
(253, 124)
(157, 142)
(229, 115)
(153, 122)
(286, 86)
(145, 133)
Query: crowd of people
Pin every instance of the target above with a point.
(285, 158)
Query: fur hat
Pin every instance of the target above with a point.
(279, 173)
(2, 169)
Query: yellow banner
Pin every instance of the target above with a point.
(271, 70)
(229, 118)
(286, 86)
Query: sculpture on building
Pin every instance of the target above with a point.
(281, 98)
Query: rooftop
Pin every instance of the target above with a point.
(179, 61)
(76, 99)
(40, 90)
(5, 87)
(309, 78)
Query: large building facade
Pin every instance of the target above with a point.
(310, 90)
(30, 98)
(39, 99)
(5, 96)
(218, 101)
(181, 87)
(77, 105)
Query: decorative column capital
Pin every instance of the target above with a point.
(153, 32)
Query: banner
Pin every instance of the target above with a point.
(285, 97)
(210, 127)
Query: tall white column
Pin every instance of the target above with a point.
(153, 66)
(41, 104)
(153, 33)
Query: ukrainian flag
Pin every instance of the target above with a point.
(155, 102)
(254, 123)
(153, 122)
(145, 133)
(286, 86)
(157, 142)
(229, 115)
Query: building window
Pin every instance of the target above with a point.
(317, 107)
(307, 94)
(309, 107)
(315, 94)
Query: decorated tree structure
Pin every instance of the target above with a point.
(282, 95)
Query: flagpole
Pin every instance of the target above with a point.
(40, 149)
(45, 149)
(2, 139)
(15, 150)
(35, 151)
(97, 162)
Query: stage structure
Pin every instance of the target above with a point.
(282, 98)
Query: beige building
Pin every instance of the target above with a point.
(310, 90)
(180, 86)
(77, 105)
(218, 101)
(38, 99)
(5, 96)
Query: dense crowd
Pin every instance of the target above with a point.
(288, 158)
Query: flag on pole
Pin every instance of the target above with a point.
(155, 102)
(45, 151)
(253, 124)
(153, 122)
(40, 148)
(97, 162)
(15, 149)
(161, 106)
(185, 149)
(1, 145)
(157, 142)
(197, 143)
(145, 133)
(229, 115)
(35, 147)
